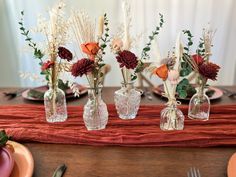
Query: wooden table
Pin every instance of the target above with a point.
(89, 161)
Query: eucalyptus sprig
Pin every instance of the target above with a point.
(186, 69)
(201, 49)
(38, 54)
(184, 88)
(147, 48)
(190, 40)
(105, 38)
(3, 138)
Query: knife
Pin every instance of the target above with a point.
(59, 172)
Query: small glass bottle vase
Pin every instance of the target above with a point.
(199, 106)
(55, 104)
(95, 110)
(172, 118)
(127, 101)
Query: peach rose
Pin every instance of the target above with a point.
(90, 49)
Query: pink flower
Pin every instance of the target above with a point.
(173, 76)
(116, 45)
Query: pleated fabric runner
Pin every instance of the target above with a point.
(26, 123)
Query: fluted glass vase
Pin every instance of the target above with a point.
(199, 105)
(95, 110)
(127, 101)
(55, 104)
(172, 118)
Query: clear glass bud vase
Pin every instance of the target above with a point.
(95, 111)
(199, 105)
(172, 118)
(55, 104)
(127, 101)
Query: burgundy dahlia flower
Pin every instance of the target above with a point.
(127, 59)
(64, 53)
(82, 66)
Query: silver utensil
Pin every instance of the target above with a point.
(59, 172)
(194, 172)
(13, 94)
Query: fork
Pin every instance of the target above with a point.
(194, 172)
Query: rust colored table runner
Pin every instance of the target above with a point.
(26, 123)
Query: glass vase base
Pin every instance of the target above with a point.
(127, 117)
(199, 116)
(166, 127)
(96, 128)
(57, 118)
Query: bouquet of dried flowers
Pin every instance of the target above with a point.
(123, 42)
(191, 64)
(168, 70)
(200, 63)
(91, 45)
(53, 57)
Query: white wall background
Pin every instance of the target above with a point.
(178, 14)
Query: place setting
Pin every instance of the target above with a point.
(110, 91)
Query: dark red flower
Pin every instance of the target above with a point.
(82, 67)
(127, 59)
(209, 70)
(198, 59)
(46, 65)
(64, 53)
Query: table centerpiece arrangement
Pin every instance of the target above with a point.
(167, 69)
(54, 58)
(93, 45)
(127, 99)
(199, 105)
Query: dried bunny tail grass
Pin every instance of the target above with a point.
(83, 27)
(208, 36)
(65, 67)
(127, 24)
(55, 29)
(191, 62)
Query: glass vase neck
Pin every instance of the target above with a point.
(53, 85)
(94, 92)
(127, 85)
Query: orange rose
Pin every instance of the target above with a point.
(162, 72)
(90, 49)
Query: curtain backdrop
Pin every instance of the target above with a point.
(178, 14)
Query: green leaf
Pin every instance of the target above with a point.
(190, 43)
(3, 138)
(133, 77)
(151, 37)
(146, 49)
(184, 72)
(182, 94)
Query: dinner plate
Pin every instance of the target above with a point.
(68, 92)
(23, 161)
(6, 162)
(231, 169)
(216, 95)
